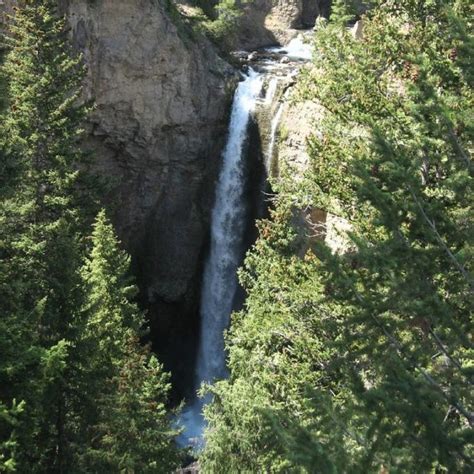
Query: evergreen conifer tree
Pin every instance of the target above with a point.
(40, 234)
(131, 429)
(78, 392)
(362, 361)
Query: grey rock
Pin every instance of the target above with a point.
(162, 98)
(270, 22)
(161, 104)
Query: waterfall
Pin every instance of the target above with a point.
(226, 251)
(298, 48)
(271, 90)
(228, 222)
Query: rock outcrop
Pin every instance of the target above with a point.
(300, 121)
(161, 105)
(269, 22)
(162, 98)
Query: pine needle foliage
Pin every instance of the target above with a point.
(78, 392)
(362, 360)
(126, 386)
(41, 224)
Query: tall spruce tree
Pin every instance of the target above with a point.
(78, 392)
(362, 361)
(40, 233)
(127, 387)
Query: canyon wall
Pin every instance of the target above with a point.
(162, 98)
(301, 121)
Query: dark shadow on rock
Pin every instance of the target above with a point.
(312, 9)
(168, 262)
(255, 192)
(252, 33)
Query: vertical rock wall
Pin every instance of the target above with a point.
(268, 22)
(302, 121)
(162, 99)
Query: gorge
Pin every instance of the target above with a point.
(236, 236)
(232, 215)
(163, 96)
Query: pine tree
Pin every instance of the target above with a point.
(40, 240)
(362, 362)
(131, 429)
(8, 445)
(78, 391)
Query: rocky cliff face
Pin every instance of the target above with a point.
(161, 103)
(301, 121)
(162, 98)
(268, 22)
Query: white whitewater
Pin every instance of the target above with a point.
(271, 90)
(220, 273)
(298, 48)
(228, 225)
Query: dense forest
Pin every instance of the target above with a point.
(339, 361)
(362, 362)
(79, 392)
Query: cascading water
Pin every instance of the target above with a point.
(273, 132)
(271, 90)
(297, 48)
(228, 226)
(228, 223)
(220, 273)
